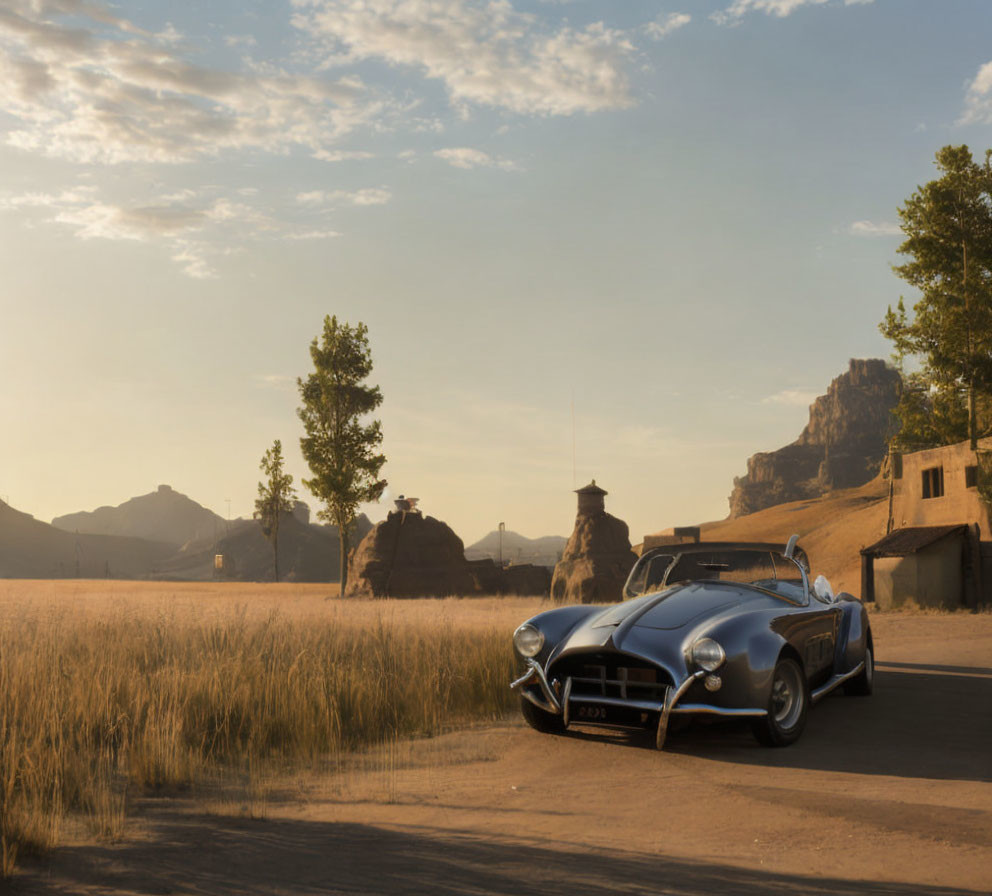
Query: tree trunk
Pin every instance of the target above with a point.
(275, 548)
(343, 533)
(972, 415)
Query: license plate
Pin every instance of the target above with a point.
(591, 713)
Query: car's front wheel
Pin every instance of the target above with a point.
(537, 718)
(787, 706)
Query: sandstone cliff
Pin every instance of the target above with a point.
(842, 446)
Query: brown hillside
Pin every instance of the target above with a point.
(832, 529)
(32, 549)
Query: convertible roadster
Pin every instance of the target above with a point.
(709, 629)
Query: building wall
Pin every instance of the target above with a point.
(895, 579)
(930, 578)
(959, 504)
(939, 577)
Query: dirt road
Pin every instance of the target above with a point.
(884, 795)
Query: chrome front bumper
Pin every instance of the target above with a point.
(550, 701)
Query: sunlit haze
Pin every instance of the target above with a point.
(676, 218)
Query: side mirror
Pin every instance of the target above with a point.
(822, 589)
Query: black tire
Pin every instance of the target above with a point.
(864, 683)
(539, 720)
(788, 706)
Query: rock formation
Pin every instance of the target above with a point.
(597, 558)
(410, 555)
(842, 446)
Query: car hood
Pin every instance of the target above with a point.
(679, 610)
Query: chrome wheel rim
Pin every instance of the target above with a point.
(787, 695)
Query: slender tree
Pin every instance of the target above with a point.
(341, 444)
(948, 227)
(275, 497)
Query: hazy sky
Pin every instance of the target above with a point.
(682, 214)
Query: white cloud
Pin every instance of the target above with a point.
(467, 157)
(665, 25)
(196, 227)
(978, 99)
(871, 228)
(792, 397)
(484, 51)
(87, 86)
(781, 8)
(366, 196)
(326, 155)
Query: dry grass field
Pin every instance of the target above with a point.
(230, 739)
(109, 691)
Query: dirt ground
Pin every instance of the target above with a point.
(884, 795)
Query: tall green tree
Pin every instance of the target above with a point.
(341, 444)
(948, 227)
(275, 497)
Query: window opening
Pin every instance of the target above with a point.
(933, 482)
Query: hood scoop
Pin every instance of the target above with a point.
(686, 605)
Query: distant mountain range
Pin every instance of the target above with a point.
(544, 551)
(31, 549)
(166, 535)
(163, 515)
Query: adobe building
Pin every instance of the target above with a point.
(597, 559)
(938, 550)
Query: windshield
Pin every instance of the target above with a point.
(764, 568)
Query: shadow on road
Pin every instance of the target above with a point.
(921, 722)
(208, 855)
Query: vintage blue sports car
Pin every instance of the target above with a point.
(718, 629)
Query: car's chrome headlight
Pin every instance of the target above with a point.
(528, 640)
(707, 654)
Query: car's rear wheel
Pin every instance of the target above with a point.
(537, 718)
(788, 706)
(863, 683)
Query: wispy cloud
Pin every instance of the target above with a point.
(978, 98)
(780, 8)
(485, 52)
(792, 397)
(872, 229)
(367, 196)
(467, 157)
(665, 25)
(196, 227)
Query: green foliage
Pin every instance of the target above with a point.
(275, 497)
(340, 448)
(948, 227)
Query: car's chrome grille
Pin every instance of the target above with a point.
(614, 676)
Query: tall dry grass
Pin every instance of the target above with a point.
(97, 708)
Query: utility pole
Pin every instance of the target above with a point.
(502, 527)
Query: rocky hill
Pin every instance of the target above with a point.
(31, 549)
(544, 551)
(163, 515)
(307, 553)
(842, 446)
